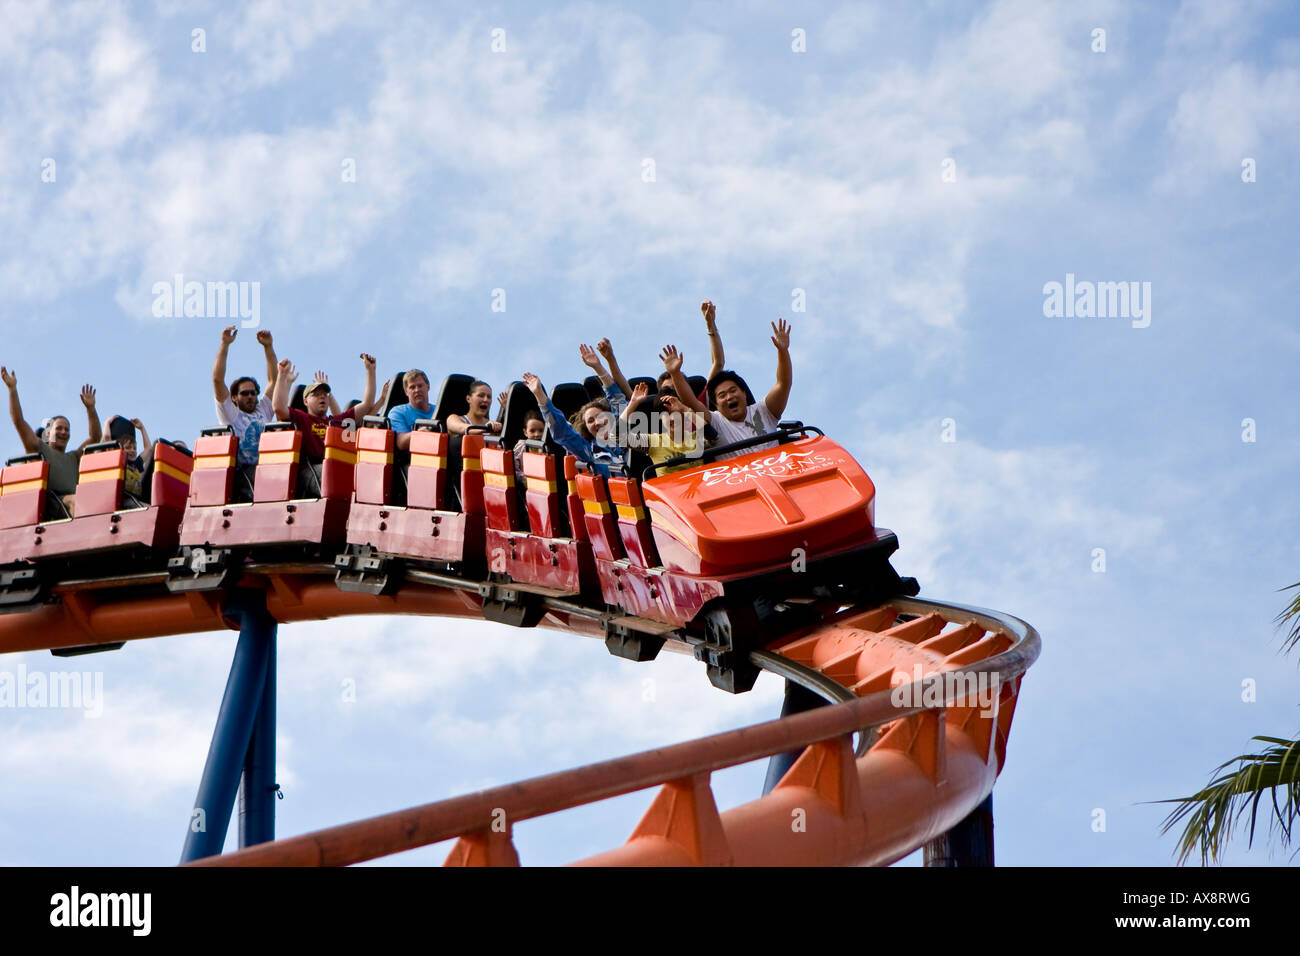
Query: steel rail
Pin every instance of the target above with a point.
(448, 819)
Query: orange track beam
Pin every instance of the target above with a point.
(928, 770)
(81, 618)
(906, 804)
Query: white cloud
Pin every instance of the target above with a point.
(146, 745)
(848, 27)
(545, 178)
(1236, 112)
(269, 35)
(948, 500)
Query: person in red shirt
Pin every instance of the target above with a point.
(314, 422)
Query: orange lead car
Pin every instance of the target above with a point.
(762, 511)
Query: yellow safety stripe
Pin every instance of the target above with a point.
(277, 458)
(573, 486)
(631, 511)
(108, 474)
(471, 464)
(343, 455)
(595, 507)
(501, 481)
(33, 484)
(541, 484)
(163, 468)
(419, 460)
(368, 456)
(215, 461)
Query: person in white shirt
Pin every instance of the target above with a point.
(243, 406)
(735, 419)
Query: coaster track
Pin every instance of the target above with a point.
(699, 561)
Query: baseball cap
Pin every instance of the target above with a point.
(119, 428)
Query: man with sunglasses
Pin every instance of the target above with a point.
(243, 406)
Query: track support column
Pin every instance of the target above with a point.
(243, 741)
(258, 789)
(969, 843)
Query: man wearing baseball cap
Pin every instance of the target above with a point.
(314, 422)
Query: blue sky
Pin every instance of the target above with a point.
(774, 170)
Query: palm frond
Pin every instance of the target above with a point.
(1212, 814)
(1291, 614)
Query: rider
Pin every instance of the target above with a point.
(243, 406)
(315, 422)
(52, 445)
(122, 431)
(591, 436)
(480, 404)
(417, 408)
(735, 419)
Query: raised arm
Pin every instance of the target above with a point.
(272, 366)
(638, 394)
(146, 444)
(562, 432)
(717, 358)
(219, 388)
(780, 393)
(31, 443)
(592, 360)
(92, 417)
(368, 400)
(332, 402)
(672, 360)
(616, 373)
(285, 376)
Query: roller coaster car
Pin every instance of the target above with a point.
(719, 548)
(427, 509)
(764, 511)
(296, 505)
(36, 531)
(453, 501)
(530, 537)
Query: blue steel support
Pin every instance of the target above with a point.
(257, 791)
(797, 700)
(210, 818)
(969, 843)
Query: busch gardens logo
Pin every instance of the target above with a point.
(774, 466)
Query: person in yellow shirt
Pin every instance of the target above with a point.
(677, 431)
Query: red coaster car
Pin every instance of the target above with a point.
(297, 508)
(428, 510)
(36, 531)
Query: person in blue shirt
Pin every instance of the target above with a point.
(592, 436)
(417, 408)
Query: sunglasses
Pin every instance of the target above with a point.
(246, 394)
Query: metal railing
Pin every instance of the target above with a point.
(539, 796)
